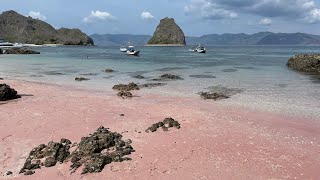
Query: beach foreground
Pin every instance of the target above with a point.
(214, 142)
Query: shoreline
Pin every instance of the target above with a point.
(214, 141)
(165, 45)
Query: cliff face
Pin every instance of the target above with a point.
(18, 28)
(168, 32)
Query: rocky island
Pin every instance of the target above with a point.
(167, 33)
(15, 27)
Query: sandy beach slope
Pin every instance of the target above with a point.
(214, 142)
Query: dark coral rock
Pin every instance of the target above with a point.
(8, 173)
(126, 87)
(138, 77)
(52, 153)
(81, 79)
(29, 173)
(309, 63)
(168, 77)
(151, 85)
(125, 94)
(108, 70)
(165, 124)
(99, 149)
(7, 93)
(213, 95)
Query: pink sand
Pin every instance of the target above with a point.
(214, 142)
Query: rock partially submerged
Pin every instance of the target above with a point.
(219, 92)
(168, 77)
(46, 155)
(138, 76)
(99, 149)
(20, 51)
(309, 63)
(108, 70)
(151, 85)
(81, 79)
(7, 93)
(126, 87)
(165, 125)
(213, 95)
(125, 94)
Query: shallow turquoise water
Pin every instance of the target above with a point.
(260, 72)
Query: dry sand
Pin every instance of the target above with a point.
(214, 142)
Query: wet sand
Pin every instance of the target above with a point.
(214, 142)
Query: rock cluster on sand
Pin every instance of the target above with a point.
(99, 149)
(93, 152)
(81, 79)
(20, 51)
(46, 155)
(125, 94)
(309, 63)
(168, 32)
(165, 125)
(7, 93)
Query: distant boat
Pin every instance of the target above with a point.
(123, 49)
(198, 49)
(4, 44)
(131, 51)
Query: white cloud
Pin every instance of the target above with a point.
(209, 10)
(145, 15)
(99, 16)
(313, 16)
(37, 15)
(265, 21)
(297, 10)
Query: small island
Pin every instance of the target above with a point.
(168, 33)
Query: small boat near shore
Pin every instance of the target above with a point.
(4, 44)
(132, 51)
(198, 49)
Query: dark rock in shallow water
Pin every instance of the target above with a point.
(138, 77)
(52, 153)
(151, 85)
(7, 93)
(230, 70)
(125, 94)
(1, 78)
(29, 173)
(8, 173)
(126, 87)
(108, 70)
(309, 63)
(20, 51)
(165, 124)
(214, 96)
(89, 74)
(81, 79)
(219, 92)
(99, 149)
(202, 76)
(168, 77)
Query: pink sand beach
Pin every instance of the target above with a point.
(214, 142)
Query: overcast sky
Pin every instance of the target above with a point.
(195, 17)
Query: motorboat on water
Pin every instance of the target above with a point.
(123, 49)
(132, 51)
(4, 44)
(198, 49)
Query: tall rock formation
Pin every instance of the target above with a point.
(18, 28)
(168, 33)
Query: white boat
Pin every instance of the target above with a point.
(123, 49)
(4, 44)
(132, 51)
(198, 49)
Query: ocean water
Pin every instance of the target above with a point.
(258, 72)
